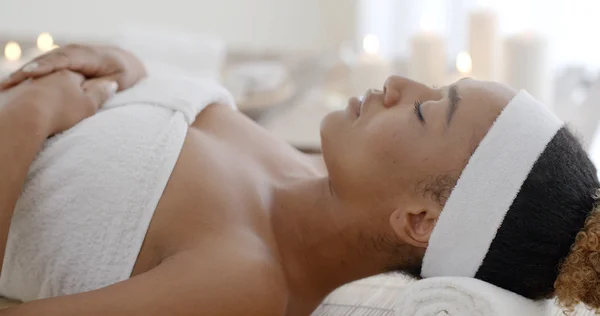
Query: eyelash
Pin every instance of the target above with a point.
(418, 111)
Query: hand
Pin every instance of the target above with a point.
(60, 99)
(110, 63)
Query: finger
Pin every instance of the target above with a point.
(77, 58)
(83, 59)
(99, 90)
(74, 77)
(63, 76)
(39, 67)
(116, 77)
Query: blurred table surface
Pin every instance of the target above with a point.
(320, 85)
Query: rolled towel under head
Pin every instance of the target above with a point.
(458, 296)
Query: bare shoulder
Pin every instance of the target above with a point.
(238, 130)
(217, 111)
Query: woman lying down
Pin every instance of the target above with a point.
(168, 201)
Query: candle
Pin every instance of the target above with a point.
(371, 69)
(45, 43)
(428, 58)
(483, 44)
(12, 59)
(464, 64)
(526, 65)
(464, 68)
(12, 51)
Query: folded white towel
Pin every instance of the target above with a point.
(457, 296)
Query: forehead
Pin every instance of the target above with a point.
(480, 104)
(487, 95)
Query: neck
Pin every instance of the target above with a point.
(321, 247)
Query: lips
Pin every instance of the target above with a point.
(360, 99)
(359, 105)
(354, 107)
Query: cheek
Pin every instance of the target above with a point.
(388, 154)
(391, 142)
(398, 153)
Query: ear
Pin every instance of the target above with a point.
(414, 226)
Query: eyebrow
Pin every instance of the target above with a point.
(454, 99)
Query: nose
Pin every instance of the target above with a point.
(398, 88)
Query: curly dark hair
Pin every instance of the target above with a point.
(579, 277)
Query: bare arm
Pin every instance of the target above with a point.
(189, 284)
(22, 132)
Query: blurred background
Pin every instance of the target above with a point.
(289, 62)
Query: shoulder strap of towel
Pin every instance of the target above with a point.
(176, 91)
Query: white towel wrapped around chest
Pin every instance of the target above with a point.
(92, 191)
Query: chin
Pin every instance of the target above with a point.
(336, 129)
(335, 137)
(330, 132)
(327, 125)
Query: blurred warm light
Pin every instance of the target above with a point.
(55, 46)
(371, 44)
(12, 51)
(464, 65)
(45, 42)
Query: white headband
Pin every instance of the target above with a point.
(487, 187)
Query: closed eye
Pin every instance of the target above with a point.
(418, 112)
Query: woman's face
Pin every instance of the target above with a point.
(396, 148)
